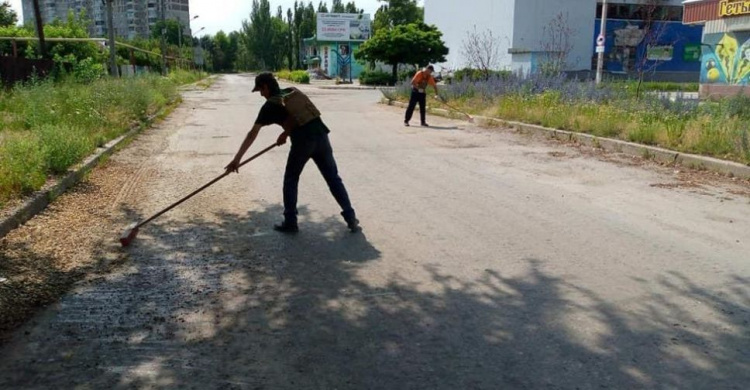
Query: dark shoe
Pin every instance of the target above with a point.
(286, 227)
(406, 123)
(424, 124)
(353, 225)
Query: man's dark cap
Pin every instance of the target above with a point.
(430, 67)
(264, 79)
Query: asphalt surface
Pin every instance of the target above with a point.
(487, 261)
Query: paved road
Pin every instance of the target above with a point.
(488, 260)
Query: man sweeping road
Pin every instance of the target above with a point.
(419, 84)
(299, 118)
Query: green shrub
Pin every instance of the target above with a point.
(300, 76)
(478, 74)
(375, 77)
(297, 76)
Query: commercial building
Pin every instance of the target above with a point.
(132, 18)
(641, 35)
(337, 37)
(725, 55)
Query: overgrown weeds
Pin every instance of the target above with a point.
(49, 126)
(719, 129)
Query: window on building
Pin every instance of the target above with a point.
(641, 12)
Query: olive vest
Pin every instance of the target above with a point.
(300, 108)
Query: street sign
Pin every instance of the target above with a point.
(198, 55)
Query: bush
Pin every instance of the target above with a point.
(375, 77)
(88, 70)
(470, 74)
(297, 76)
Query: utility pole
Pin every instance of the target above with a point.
(111, 34)
(39, 28)
(600, 43)
(163, 38)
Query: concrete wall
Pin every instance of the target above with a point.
(517, 24)
(533, 16)
(455, 18)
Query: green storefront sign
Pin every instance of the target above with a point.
(692, 52)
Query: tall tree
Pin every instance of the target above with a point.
(397, 12)
(173, 31)
(322, 7)
(279, 36)
(290, 40)
(258, 33)
(351, 8)
(415, 43)
(338, 7)
(8, 17)
(308, 24)
(220, 52)
(232, 51)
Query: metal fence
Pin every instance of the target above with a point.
(15, 69)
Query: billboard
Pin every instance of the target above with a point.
(343, 27)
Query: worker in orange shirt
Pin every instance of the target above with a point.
(419, 84)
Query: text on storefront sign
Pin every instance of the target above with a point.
(734, 7)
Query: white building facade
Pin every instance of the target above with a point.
(524, 28)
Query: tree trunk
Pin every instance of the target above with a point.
(39, 29)
(394, 75)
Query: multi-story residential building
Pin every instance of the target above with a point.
(132, 18)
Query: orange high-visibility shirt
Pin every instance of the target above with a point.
(421, 79)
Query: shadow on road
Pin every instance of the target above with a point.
(443, 127)
(229, 304)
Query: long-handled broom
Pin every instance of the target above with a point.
(469, 117)
(132, 231)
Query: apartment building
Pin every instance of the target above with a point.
(132, 18)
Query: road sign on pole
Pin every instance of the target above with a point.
(602, 34)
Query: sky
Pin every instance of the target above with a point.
(228, 15)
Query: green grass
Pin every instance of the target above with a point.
(297, 76)
(48, 127)
(655, 86)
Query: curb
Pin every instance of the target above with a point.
(672, 157)
(345, 88)
(41, 199)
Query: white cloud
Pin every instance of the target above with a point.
(16, 5)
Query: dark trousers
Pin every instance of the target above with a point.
(416, 97)
(318, 148)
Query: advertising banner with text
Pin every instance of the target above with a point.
(343, 27)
